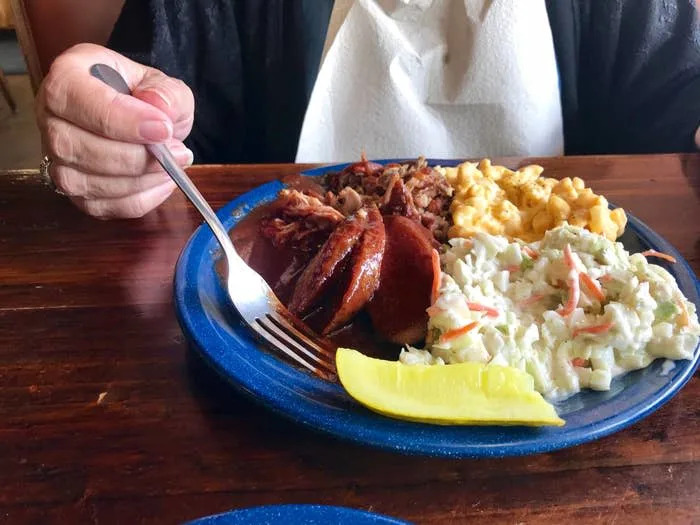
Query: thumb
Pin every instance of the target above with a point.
(172, 96)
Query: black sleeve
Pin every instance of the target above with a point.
(638, 75)
(251, 65)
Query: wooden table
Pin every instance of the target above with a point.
(106, 417)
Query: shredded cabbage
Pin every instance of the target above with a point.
(643, 315)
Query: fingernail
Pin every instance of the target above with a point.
(182, 153)
(189, 157)
(155, 130)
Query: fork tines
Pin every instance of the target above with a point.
(279, 332)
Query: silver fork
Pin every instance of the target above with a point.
(250, 294)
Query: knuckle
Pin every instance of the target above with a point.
(175, 90)
(53, 90)
(59, 140)
(181, 87)
(131, 161)
(186, 98)
(82, 48)
(170, 89)
(62, 62)
(69, 181)
(104, 118)
(133, 207)
(55, 85)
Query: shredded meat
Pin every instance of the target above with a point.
(304, 220)
(398, 200)
(413, 190)
(349, 201)
(300, 220)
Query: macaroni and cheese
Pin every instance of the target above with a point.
(522, 204)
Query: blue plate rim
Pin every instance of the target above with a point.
(310, 419)
(304, 509)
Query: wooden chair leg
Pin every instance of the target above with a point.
(5, 88)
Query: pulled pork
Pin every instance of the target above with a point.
(414, 190)
(300, 220)
(304, 219)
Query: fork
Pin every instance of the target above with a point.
(254, 300)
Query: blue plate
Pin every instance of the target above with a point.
(297, 515)
(214, 329)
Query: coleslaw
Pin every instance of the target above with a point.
(573, 310)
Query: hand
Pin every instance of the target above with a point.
(95, 135)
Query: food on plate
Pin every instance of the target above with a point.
(466, 394)
(573, 310)
(334, 232)
(524, 205)
(512, 280)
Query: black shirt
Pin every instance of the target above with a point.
(629, 70)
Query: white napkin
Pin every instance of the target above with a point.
(441, 78)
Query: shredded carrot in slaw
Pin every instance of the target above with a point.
(660, 255)
(530, 252)
(580, 362)
(594, 329)
(477, 307)
(456, 332)
(574, 295)
(437, 274)
(569, 258)
(572, 281)
(592, 286)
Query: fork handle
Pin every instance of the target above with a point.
(170, 165)
(112, 78)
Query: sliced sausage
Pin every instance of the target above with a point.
(362, 278)
(327, 264)
(397, 309)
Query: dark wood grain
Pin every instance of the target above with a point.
(85, 309)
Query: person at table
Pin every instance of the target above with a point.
(629, 77)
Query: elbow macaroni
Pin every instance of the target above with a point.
(522, 204)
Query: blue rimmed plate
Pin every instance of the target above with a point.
(297, 514)
(213, 329)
